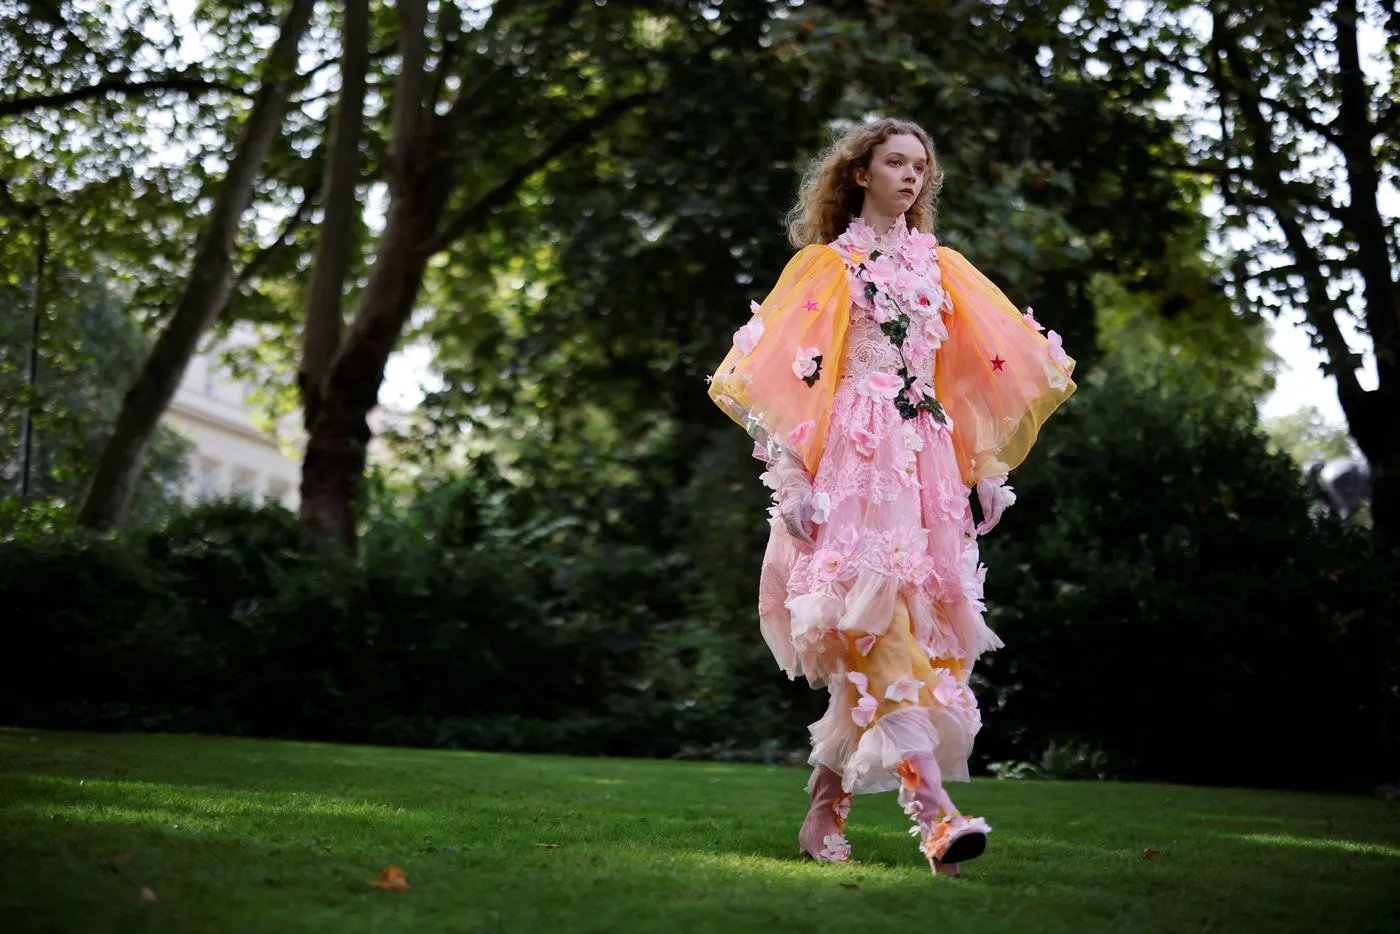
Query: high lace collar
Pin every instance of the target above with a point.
(886, 242)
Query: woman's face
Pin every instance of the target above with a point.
(898, 167)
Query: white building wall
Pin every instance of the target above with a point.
(231, 455)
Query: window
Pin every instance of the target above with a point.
(277, 491)
(208, 479)
(211, 378)
(244, 482)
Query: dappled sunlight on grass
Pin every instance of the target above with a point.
(239, 836)
(1318, 843)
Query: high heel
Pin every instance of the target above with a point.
(822, 836)
(946, 837)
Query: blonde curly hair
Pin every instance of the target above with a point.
(830, 197)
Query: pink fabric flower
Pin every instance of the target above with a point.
(799, 435)
(972, 575)
(912, 439)
(861, 682)
(821, 508)
(1030, 317)
(922, 389)
(865, 643)
(860, 235)
(909, 554)
(917, 349)
(918, 248)
(1057, 351)
(883, 272)
(904, 690)
(746, 338)
(883, 385)
(926, 298)
(882, 309)
(863, 441)
(863, 713)
(835, 849)
(947, 690)
(848, 540)
(935, 330)
(805, 363)
(828, 564)
(906, 467)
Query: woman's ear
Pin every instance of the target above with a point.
(861, 176)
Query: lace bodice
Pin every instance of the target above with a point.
(868, 350)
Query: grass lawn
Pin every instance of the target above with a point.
(243, 836)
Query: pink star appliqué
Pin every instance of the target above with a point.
(810, 306)
(998, 363)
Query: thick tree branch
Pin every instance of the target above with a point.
(1267, 174)
(577, 135)
(1363, 179)
(183, 81)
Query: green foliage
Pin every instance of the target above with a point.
(1307, 436)
(1165, 594)
(88, 352)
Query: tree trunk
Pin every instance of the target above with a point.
(338, 436)
(336, 446)
(321, 334)
(205, 294)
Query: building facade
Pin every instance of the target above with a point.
(232, 456)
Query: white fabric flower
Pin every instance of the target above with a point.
(821, 508)
(912, 439)
(905, 689)
(747, 337)
(805, 363)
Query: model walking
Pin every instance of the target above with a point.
(882, 379)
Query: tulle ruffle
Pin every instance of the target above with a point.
(867, 759)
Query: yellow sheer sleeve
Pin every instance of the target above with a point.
(779, 378)
(996, 375)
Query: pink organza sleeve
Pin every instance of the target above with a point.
(996, 375)
(779, 378)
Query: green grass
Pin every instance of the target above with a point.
(244, 836)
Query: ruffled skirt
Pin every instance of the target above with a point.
(886, 609)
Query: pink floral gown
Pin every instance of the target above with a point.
(885, 609)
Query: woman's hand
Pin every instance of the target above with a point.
(796, 513)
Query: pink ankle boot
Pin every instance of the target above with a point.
(822, 837)
(947, 838)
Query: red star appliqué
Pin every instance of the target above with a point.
(810, 306)
(998, 363)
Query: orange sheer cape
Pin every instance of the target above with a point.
(809, 308)
(996, 374)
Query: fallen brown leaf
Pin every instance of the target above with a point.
(850, 885)
(392, 880)
(548, 846)
(121, 858)
(147, 895)
(1149, 853)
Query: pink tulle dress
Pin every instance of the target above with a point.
(871, 584)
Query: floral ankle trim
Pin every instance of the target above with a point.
(841, 807)
(836, 849)
(941, 835)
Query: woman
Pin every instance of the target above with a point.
(882, 379)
